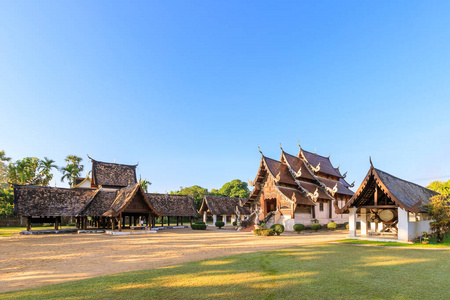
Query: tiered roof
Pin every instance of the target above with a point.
(307, 176)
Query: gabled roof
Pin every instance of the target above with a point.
(100, 203)
(325, 163)
(341, 188)
(405, 194)
(173, 205)
(312, 188)
(219, 205)
(49, 201)
(112, 174)
(124, 196)
(279, 171)
(295, 196)
(297, 165)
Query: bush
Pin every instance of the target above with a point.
(198, 226)
(219, 224)
(332, 226)
(199, 222)
(71, 224)
(278, 228)
(264, 232)
(235, 223)
(316, 226)
(299, 228)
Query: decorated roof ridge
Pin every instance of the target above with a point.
(337, 186)
(261, 164)
(280, 189)
(382, 185)
(291, 170)
(344, 182)
(327, 190)
(318, 167)
(47, 187)
(83, 181)
(112, 163)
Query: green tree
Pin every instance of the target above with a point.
(196, 191)
(442, 187)
(145, 185)
(26, 172)
(46, 166)
(3, 170)
(6, 202)
(73, 169)
(439, 211)
(235, 188)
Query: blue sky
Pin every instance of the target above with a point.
(189, 89)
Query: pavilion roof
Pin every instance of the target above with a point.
(407, 195)
(173, 205)
(219, 205)
(112, 174)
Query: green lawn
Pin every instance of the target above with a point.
(8, 231)
(324, 271)
(431, 245)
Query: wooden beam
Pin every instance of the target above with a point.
(56, 223)
(376, 195)
(28, 223)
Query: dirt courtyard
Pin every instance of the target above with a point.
(28, 261)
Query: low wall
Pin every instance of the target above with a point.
(11, 222)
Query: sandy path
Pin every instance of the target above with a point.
(28, 261)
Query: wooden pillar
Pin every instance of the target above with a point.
(178, 218)
(330, 212)
(28, 223)
(181, 221)
(162, 220)
(190, 220)
(313, 211)
(134, 220)
(168, 220)
(56, 223)
(77, 222)
(113, 223)
(120, 222)
(85, 223)
(375, 195)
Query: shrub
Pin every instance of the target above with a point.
(316, 226)
(235, 223)
(332, 226)
(219, 224)
(262, 225)
(199, 222)
(264, 232)
(299, 228)
(71, 224)
(278, 228)
(198, 226)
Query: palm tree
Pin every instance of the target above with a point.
(145, 184)
(46, 165)
(3, 156)
(73, 169)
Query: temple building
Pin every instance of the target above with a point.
(305, 189)
(389, 208)
(225, 209)
(110, 199)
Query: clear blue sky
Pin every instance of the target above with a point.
(189, 89)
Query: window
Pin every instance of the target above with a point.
(321, 206)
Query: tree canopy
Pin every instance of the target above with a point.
(442, 187)
(439, 211)
(196, 191)
(234, 188)
(73, 169)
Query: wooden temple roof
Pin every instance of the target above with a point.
(341, 188)
(405, 194)
(295, 196)
(112, 174)
(218, 205)
(173, 205)
(279, 171)
(298, 165)
(325, 164)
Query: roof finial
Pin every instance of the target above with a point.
(329, 155)
(140, 178)
(299, 144)
(114, 160)
(315, 150)
(281, 147)
(259, 149)
(89, 157)
(370, 159)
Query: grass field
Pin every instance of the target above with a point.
(8, 231)
(324, 271)
(432, 244)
